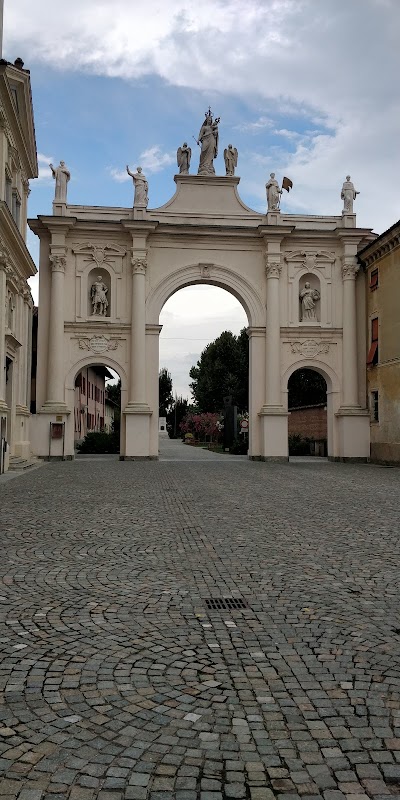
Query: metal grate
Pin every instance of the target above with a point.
(225, 603)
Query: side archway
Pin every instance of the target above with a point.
(333, 396)
(92, 361)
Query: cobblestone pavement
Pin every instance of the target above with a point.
(118, 682)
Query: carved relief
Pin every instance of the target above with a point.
(98, 255)
(310, 259)
(273, 269)
(58, 263)
(205, 271)
(98, 344)
(309, 348)
(139, 265)
(349, 270)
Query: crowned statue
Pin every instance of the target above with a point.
(208, 141)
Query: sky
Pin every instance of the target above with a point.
(304, 88)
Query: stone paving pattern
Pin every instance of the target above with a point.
(118, 683)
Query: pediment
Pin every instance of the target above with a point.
(213, 197)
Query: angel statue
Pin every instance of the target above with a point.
(231, 159)
(98, 297)
(183, 156)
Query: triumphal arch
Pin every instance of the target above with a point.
(105, 274)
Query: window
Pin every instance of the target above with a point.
(373, 353)
(374, 279)
(375, 406)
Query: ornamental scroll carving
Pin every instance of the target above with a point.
(273, 269)
(309, 348)
(139, 265)
(98, 344)
(58, 263)
(349, 270)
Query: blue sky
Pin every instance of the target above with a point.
(306, 88)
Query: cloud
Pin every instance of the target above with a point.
(154, 160)
(334, 64)
(119, 175)
(45, 173)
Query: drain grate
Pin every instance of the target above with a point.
(225, 603)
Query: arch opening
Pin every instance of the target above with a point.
(95, 398)
(308, 412)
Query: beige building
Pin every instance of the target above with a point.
(381, 261)
(18, 163)
(90, 406)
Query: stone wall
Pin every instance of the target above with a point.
(309, 421)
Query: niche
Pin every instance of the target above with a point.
(99, 293)
(309, 299)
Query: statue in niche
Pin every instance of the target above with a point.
(231, 159)
(141, 197)
(208, 140)
(98, 297)
(183, 156)
(273, 193)
(62, 176)
(309, 297)
(348, 195)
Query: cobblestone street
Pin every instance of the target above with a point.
(119, 681)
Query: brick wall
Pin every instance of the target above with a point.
(309, 421)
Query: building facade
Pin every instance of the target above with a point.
(90, 406)
(18, 163)
(381, 262)
(105, 274)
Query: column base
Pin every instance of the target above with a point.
(137, 431)
(354, 433)
(274, 433)
(54, 408)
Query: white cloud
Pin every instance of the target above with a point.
(154, 160)
(119, 175)
(45, 173)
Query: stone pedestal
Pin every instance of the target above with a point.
(354, 434)
(274, 432)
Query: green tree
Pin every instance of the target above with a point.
(165, 392)
(306, 388)
(175, 416)
(223, 369)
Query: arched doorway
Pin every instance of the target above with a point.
(95, 411)
(204, 346)
(312, 400)
(254, 310)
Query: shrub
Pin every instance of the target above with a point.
(239, 447)
(99, 442)
(299, 446)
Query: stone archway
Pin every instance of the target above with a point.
(239, 287)
(332, 394)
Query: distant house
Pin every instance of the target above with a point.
(110, 408)
(381, 262)
(90, 412)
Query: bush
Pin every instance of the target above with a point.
(99, 442)
(239, 447)
(299, 446)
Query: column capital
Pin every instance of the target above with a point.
(139, 264)
(4, 256)
(58, 262)
(273, 266)
(350, 268)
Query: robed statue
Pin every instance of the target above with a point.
(273, 193)
(141, 197)
(208, 141)
(98, 297)
(308, 298)
(231, 159)
(348, 195)
(183, 156)
(62, 176)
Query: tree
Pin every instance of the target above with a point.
(175, 416)
(223, 369)
(306, 388)
(165, 392)
(113, 392)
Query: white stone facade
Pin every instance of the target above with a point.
(204, 234)
(18, 163)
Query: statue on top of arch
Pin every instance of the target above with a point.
(208, 141)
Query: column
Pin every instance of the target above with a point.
(137, 386)
(55, 375)
(273, 360)
(3, 293)
(137, 412)
(349, 366)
